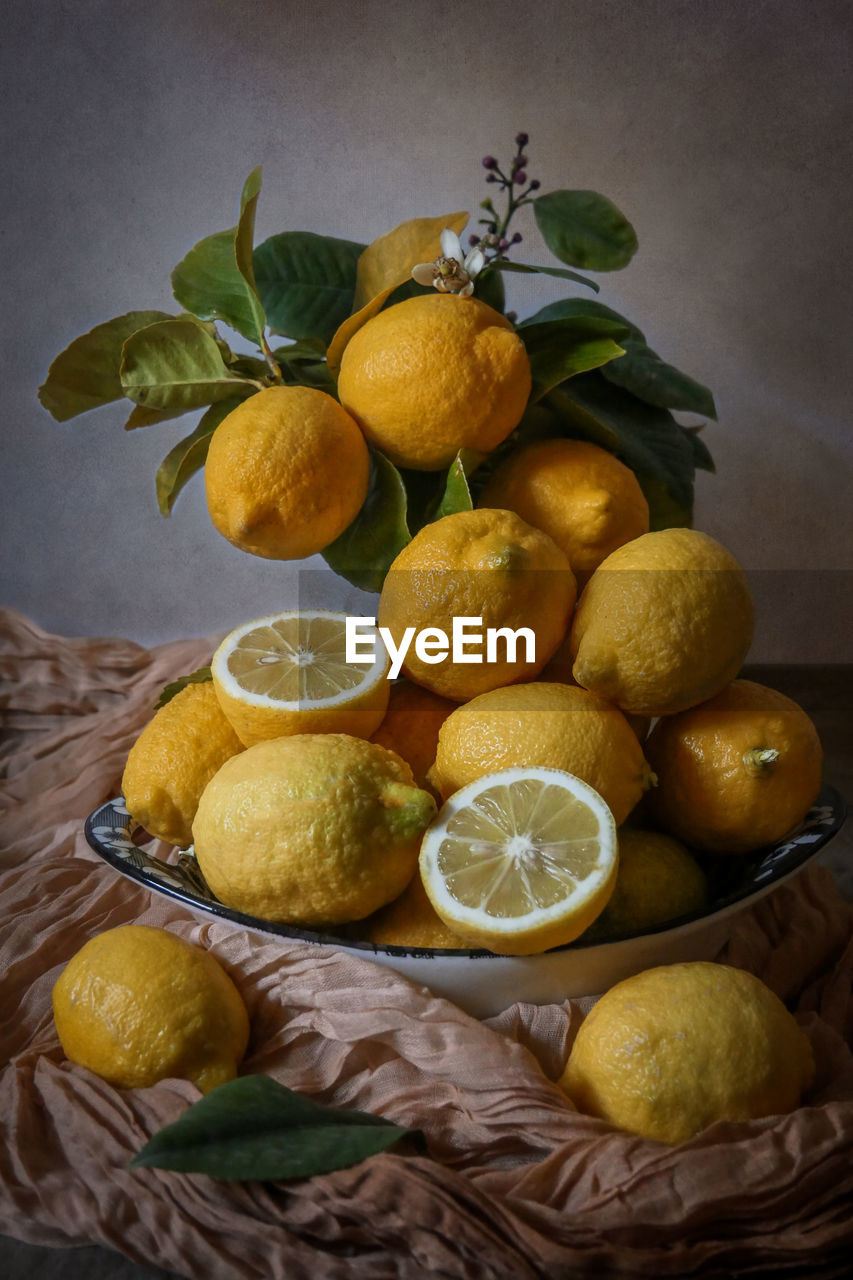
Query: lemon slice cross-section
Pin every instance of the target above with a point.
(521, 860)
(287, 673)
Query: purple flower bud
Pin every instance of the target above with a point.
(519, 162)
(503, 245)
(489, 162)
(535, 184)
(472, 240)
(516, 239)
(491, 177)
(521, 139)
(519, 176)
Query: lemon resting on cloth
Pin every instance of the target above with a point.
(137, 1004)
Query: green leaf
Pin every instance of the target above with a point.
(174, 365)
(574, 308)
(456, 495)
(306, 282)
(585, 230)
(643, 373)
(215, 282)
(253, 1129)
(86, 374)
(363, 553)
(188, 456)
(524, 268)
(647, 439)
(301, 367)
(167, 693)
(701, 454)
(560, 349)
(489, 288)
(140, 417)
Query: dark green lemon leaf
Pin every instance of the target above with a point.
(188, 456)
(701, 454)
(524, 268)
(253, 1129)
(167, 693)
(489, 288)
(215, 280)
(643, 373)
(363, 553)
(302, 367)
(585, 230)
(575, 308)
(86, 374)
(174, 365)
(306, 282)
(560, 349)
(647, 439)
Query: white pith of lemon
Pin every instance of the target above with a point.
(287, 673)
(521, 860)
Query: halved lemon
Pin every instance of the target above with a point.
(287, 673)
(521, 860)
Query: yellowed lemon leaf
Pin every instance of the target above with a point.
(351, 325)
(388, 260)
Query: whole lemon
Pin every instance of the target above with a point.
(589, 502)
(433, 375)
(658, 880)
(411, 726)
(286, 473)
(557, 726)
(173, 759)
(137, 1004)
(676, 1048)
(664, 622)
(410, 921)
(738, 771)
(313, 829)
(479, 564)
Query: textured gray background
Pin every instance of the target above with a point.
(722, 129)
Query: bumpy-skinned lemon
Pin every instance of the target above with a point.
(411, 726)
(558, 726)
(521, 860)
(433, 375)
(658, 880)
(664, 622)
(479, 564)
(287, 673)
(674, 1049)
(137, 1005)
(736, 772)
(588, 501)
(410, 921)
(173, 759)
(314, 829)
(558, 670)
(286, 473)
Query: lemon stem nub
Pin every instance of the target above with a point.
(411, 809)
(760, 760)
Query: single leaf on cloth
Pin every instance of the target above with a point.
(175, 365)
(214, 280)
(647, 439)
(87, 373)
(363, 553)
(560, 349)
(306, 283)
(559, 273)
(585, 229)
(388, 260)
(188, 456)
(200, 676)
(255, 1128)
(643, 373)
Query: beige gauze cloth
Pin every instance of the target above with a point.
(516, 1184)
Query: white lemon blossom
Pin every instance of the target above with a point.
(452, 272)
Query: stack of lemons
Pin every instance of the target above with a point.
(511, 804)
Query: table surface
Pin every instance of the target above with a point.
(826, 693)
